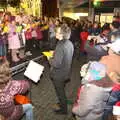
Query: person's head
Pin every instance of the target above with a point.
(63, 32)
(93, 71)
(114, 25)
(106, 28)
(116, 18)
(5, 74)
(13, 22)
(57, 22)
(95, 25)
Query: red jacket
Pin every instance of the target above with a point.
(84, 35)
(28, 34)
(39, 34)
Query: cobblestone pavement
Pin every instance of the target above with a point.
(43, 94)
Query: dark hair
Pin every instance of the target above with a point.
(106, 26)
(116, 24)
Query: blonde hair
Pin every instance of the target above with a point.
(5, 74)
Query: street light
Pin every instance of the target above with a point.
(96, 3)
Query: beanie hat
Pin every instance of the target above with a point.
(93, 71)
(116, 108)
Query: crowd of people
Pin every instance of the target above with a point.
(22, 32)
(100, 87)
(98, 95)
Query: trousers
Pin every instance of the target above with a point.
(60, 92)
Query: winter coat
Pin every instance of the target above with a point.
(62, 60)
(83, 36)
(91, 102)
(113, 98)
(7, 104)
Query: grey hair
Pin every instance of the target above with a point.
(65, 31)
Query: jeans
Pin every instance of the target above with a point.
(28, 111)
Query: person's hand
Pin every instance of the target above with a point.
(48, 58)
(52, 52)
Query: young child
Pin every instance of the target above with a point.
(13, 41)
(29, 41)
(39, 37)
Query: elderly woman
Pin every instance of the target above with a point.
(8, 89)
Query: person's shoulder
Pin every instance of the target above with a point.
(69, 43)
(116, 88)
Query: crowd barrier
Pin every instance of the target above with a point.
(21, 67)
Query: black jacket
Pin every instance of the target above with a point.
(62, 60)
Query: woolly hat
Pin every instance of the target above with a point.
(116, 109)
(93, 71)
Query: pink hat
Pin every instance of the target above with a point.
(116, 109)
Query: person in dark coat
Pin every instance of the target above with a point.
(61, 65)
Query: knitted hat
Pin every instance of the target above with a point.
(116, 109)
(93, 71)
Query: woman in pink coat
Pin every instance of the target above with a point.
(13, 41)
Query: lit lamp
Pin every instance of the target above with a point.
(96, 3)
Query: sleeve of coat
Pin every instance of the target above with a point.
(114, 97)
(57, 59)
(87, 100)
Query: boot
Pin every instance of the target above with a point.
(21, 54)
(14, 55)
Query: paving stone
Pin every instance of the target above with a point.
(43, 94)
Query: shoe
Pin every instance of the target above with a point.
(28, 53)
(56, 106)
(60, 112)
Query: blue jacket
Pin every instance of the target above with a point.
(113, 98)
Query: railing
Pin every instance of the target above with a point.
(21, 67)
